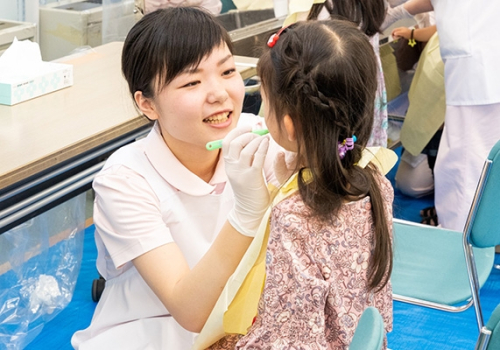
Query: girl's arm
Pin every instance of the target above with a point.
(406, 10)
(419, 34)
(418, 6)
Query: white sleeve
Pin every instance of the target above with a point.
(127, 215)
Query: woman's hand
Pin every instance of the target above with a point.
(244, 156)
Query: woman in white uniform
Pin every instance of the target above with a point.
(172, 218)
(471, 55)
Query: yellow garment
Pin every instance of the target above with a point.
(383, 158)
(390, 70)
(253, 4)
(427, 100)
(240, 314)
(237, 306)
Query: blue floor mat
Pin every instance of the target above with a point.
(57, 333)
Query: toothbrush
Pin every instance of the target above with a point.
(212, 145)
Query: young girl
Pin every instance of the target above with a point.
(329, 254)
(368, 15)
(170, 225)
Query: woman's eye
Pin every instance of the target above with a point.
(229, 71)
(192, 83)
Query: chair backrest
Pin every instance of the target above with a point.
(489, 336)
(485, 225)
(370, 332)
(494, 326)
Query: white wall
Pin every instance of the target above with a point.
(21, 11)
(12, 10)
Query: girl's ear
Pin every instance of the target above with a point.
(146, 105)
(289, 128)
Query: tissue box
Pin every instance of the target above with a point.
(50, 77)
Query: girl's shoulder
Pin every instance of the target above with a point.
(385, 185)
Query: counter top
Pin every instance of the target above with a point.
(38, 134)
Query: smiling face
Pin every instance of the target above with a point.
(201, 104)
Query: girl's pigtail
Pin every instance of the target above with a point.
(381, 261)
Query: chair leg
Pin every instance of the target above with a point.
(474, 283)
(483, 339)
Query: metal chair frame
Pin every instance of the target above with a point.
(483, 339)
(470, 263)
(469, 254)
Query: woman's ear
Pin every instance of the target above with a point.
(145, 105)
(289, 128)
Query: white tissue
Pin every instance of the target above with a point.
(21, 58)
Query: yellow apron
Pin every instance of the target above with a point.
(427, 100)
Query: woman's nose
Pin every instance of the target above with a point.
(217, 93)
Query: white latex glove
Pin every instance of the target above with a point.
(244, 156)
(393, 15)
(285, 164)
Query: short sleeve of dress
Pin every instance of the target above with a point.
(127, 214)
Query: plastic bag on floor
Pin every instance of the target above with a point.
(39, 264)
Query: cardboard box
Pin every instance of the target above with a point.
(20, 87)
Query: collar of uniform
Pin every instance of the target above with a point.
(174, 172)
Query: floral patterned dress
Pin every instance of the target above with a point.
(316, 278)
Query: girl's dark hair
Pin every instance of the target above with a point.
(166, 42)
(368, 15)
(323, 74)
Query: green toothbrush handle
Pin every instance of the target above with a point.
(213, 145)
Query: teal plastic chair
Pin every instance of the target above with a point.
(227, 5)
(370, 332)
(445, 269)
(489, 337)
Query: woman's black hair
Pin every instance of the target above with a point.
(323, 74)
(368, 15)
(165, 43)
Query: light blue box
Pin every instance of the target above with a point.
(49, 77)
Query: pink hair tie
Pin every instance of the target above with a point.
(346, 145)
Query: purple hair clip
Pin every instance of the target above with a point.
(346, 145)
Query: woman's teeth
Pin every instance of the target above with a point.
(218, 118)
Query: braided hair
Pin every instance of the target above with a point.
(323, 74)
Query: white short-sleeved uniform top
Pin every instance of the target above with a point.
(146, 198)
(469, 49)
